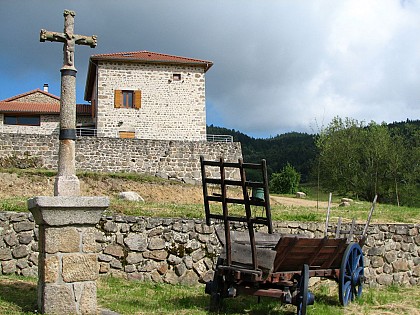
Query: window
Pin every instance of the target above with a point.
(127, 99)
(176, 77)
(22, 120)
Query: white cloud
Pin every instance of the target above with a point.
(278, 65)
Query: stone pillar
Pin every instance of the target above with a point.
(68, 265)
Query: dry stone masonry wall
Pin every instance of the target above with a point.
(170, 109)
(165, 158)
(185, 250)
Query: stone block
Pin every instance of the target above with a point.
(51, 271)
(110, 227)
(18, 217)
(136, 242)
(390, 257)
(171, 277)
(155, 232)
(63, 239)
(116, 264)
(67, 210)
(25, 238)
(400, 265)
(156, 254)
(87, 303)
(11, 239)
(58, 299)
(20, 251)
(114, 250)
(180, 269)
(80, 267)
(130, 268)
(146, 266)
(89, 237)
(156, 243)
(156, 276)
(416, 271)
(174, 260)
(134, 258)
(5, 254)
(23, 226)
(198, 254)
(385, 279)
(162, 268)
(103, 267)
(8, 266)
(189, 278)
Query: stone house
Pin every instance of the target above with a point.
(37, 112)
(147, 95)
(143, 95)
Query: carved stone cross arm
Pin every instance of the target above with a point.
(61, 37)
(69, 39)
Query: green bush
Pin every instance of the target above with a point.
(285, 182)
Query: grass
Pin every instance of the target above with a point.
(18, 296)
(358, 210)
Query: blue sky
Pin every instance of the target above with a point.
(279, 66)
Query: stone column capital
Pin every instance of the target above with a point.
(67, 210)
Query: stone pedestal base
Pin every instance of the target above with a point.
(68, 265)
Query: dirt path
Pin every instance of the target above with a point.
(288, 201)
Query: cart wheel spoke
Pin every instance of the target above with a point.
(351, 274)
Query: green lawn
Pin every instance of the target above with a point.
(18, 296)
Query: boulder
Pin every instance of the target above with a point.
(344, 204)
(300, 194)
(130, 196)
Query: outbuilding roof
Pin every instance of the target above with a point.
(13, 98)
(12, 105)
(32, 108)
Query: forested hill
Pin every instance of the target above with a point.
(295, 148)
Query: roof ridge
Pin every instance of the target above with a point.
(150, 52)
(28, 93)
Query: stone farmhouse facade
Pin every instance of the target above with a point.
(148, 95)
(37, 112)
(142, 95)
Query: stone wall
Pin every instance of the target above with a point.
(185, 250)
(170, 159)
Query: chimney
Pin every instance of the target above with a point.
(46, 87)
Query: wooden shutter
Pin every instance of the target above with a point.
(137, 99)
(117, 98)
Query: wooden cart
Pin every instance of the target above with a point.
(267, 264)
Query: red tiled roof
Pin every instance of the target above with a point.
(148, 56)
(28, 93)
(39, 108)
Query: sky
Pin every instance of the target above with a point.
(279, 65)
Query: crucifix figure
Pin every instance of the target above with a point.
(66, 182)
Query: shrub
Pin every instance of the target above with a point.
(285, 182)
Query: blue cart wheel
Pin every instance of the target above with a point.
(302, 295)
(351, 274)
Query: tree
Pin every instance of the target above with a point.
(368, 160)
(285, 182)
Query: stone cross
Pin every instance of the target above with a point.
(66, 182)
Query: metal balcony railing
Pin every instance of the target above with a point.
(85, 132)
(219, 138)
